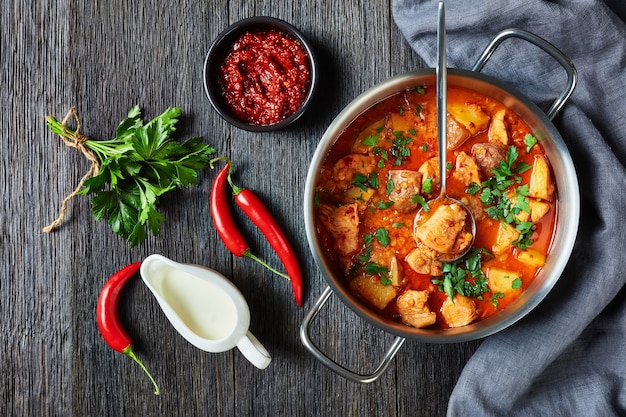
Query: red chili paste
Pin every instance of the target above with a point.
(265, 77)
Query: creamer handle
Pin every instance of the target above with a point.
(254, 351)
(553, 51)
(334, 366)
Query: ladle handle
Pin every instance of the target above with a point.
(442, 96)
(331, 364)
(553, 51)
(254, 351)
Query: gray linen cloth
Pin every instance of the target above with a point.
(568, 356)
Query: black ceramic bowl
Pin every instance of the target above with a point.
(219, 50)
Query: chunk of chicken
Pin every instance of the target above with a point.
(406, 185)
(501, 280)
(488, 156)
(371, 290)
(444, 230)
(456, 133)
(460, 312)
(430, 172)
(343, 224)
(541, 185)
(475, 206)
(414, 310)
(423, 261)
(507, 234)
(348, 167)
(497, 128)
(466, 169)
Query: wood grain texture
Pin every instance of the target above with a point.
(104, 57)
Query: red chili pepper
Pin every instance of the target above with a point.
(256, 211)
(224, 222)
(109, 323)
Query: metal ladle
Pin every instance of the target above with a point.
(442, 113)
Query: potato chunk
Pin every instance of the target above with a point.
(532, 257)
(413, 307)
(501, 281)
(541, 185)
(538, 209)
(497, 129)
(506, 235)
(371, 290)
(470, 115)
(460, 312)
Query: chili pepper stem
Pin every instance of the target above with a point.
(131, 353)
(249, 254)
(236, 189)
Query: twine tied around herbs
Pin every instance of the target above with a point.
(75, 140)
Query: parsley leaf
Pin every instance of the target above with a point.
(530, 141)
(382, 235)
(372, 268)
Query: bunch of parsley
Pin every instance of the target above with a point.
(137, 167)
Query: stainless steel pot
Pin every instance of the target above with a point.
(567, 217)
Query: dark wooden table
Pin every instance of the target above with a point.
(104, 57)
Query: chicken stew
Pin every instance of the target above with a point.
(384, 167)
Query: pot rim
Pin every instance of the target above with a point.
(567, 216)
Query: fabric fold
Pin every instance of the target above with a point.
(568, 356)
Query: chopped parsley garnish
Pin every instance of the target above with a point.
(530, 141)
(390, 186)
(418, 199)
(382, 236)
(372, 268)
(427, 186)
(370, 140)
(464, 276)
(364, 182)
(382, 205)
(399, 147)
(364, 261)
(502, 202)
(495, 298)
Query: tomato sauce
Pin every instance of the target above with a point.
(265, 77)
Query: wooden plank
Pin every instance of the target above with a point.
(105, 57)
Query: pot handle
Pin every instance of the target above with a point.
(334, 366)
(553, 51)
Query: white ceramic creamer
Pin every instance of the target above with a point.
(204, 307)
